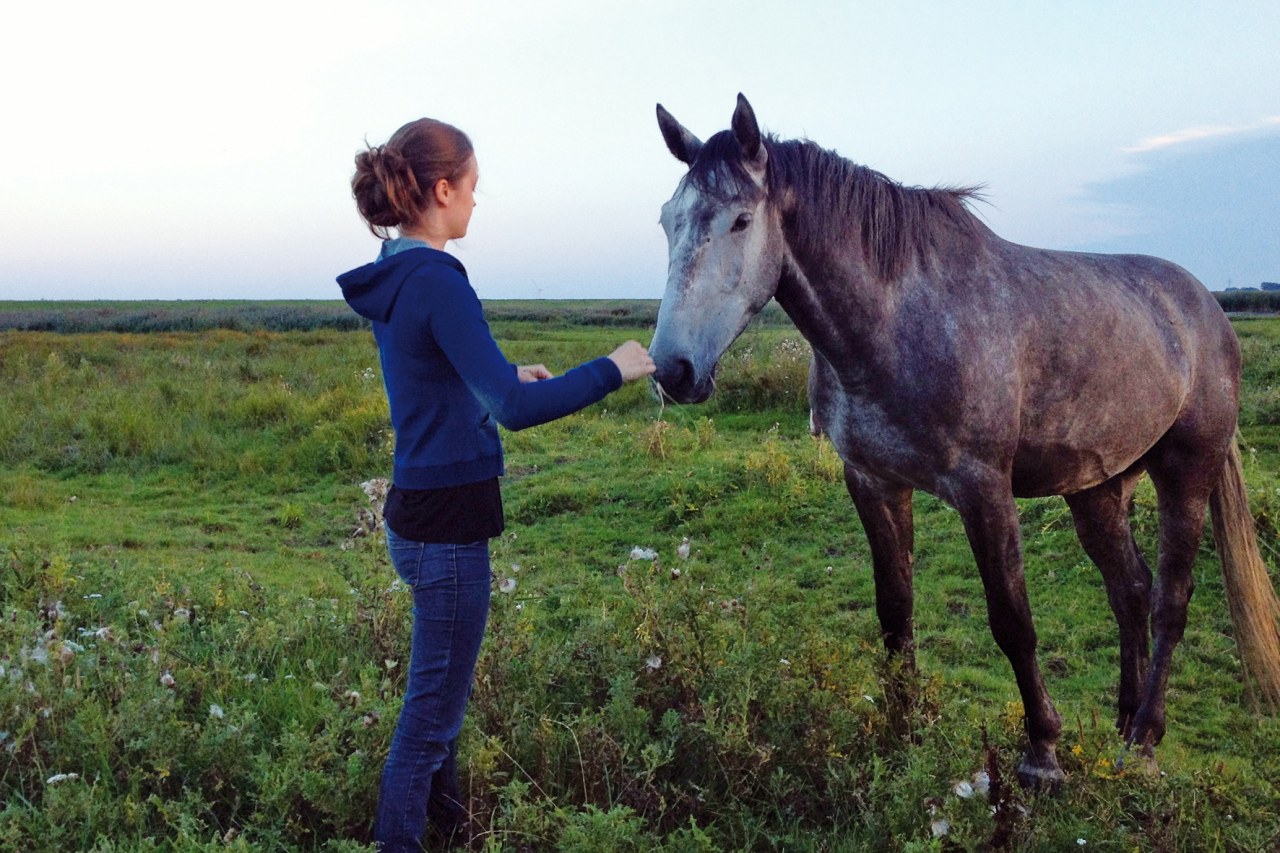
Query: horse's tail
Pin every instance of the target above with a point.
(1251, 598)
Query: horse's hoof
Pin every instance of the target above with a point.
(1141, 760)
(1146, 730)
(1045, 780)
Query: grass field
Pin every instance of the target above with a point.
(202, 647)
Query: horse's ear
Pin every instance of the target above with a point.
(683, 144)
(747, 131)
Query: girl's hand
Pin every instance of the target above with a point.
(632, 360)
(533, 373)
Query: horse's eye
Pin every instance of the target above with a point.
(743, 220)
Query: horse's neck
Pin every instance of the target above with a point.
(838, 313)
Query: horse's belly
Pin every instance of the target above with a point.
(1062, 470)
(1090, 444)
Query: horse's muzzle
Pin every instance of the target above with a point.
(675, 380)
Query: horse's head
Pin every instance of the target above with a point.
(725, 251)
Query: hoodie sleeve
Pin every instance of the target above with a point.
(459, 328)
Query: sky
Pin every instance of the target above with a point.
(161, 150)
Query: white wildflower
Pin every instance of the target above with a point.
(519, 606)
(167, 680)
(784, 661)
(182, 614)
(683, 550)
(250, 678)
(515, 568)
(352, 696)
(653, 662)
(59, 778)
(675, 573)
(963, 790)
(507, 586)
(638, 553)
(940, 827)
(216, 712)
(1081, 842)
(93, 596)
(981, 783)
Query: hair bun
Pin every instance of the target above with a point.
(391, 181)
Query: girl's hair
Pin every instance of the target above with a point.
(393, 182)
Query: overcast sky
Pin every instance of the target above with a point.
(181, 151)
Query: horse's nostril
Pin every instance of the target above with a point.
(676, 373)
(684, 375)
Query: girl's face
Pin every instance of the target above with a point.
(462, 200)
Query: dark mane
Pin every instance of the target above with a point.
(832, 198)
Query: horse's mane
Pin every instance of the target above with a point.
(832, 197)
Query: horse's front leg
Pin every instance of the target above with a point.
(885, 511)
(991, 522)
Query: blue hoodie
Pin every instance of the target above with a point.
(447, 381)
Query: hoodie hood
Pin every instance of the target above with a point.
(371, 290)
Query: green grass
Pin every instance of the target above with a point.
(181, 505)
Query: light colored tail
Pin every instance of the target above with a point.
(1251, 598)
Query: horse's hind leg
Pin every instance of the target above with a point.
(1102, 522)
(1183, 475)
(885, 511)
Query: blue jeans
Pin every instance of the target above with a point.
(450, 585)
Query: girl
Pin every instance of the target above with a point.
(447, 384)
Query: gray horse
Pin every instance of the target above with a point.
(950, 360)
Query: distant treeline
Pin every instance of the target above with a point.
(1250, 301)
(310, 315)
(182, 316)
